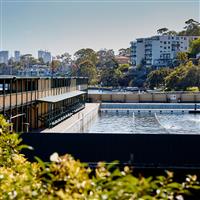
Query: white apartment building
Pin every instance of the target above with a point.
(4, 57)
(45, 55)
(159, 51)
(17, 56)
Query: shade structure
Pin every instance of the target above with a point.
(61, 97)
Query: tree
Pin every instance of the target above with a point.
(182, 57)
(74, 69)
(85, 54)
(26, 61)
(55, 64)
(195, 47)
(192, 28)
(156, 78)
(110, 77)
(124, 52)
(124, 68)
(112, 63)
(162, 31)
(66, 58)
(184, 76)
(137, 76)
(105, 58)
(88, 69)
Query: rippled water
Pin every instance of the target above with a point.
(145, 123)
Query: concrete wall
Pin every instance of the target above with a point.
(146, 97)
(81, 120)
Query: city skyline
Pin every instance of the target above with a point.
(66, 26)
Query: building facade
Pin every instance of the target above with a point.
(4, 57)
(36, 103)
(17, 56)
(45, 56)
(159, 51)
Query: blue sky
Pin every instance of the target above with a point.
(66, 26)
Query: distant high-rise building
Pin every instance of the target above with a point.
(159, 51)
(45, 55)
(4, 57)
(17, 56)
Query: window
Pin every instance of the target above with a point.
(169, 47)
(168, 42)
(165, 42)
(160, 46)
(165, 48)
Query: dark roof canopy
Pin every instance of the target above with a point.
(61, 97)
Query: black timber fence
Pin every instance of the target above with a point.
(172, 151)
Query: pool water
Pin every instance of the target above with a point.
(153, 123)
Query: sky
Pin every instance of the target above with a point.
(68, 25)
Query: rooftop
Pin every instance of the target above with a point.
(37, 77)
(61, 97)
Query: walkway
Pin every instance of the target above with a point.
(69, 123)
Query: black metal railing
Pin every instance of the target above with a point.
(54, 117)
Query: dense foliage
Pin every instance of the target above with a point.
(184, 77)
(66, 178)
(157, 78)
(195, 47)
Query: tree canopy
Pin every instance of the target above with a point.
(192, 28)
(195, 47)
(88, 69)
(184, 76)
(156, 78)
(86, 54)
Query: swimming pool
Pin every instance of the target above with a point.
(154, 123)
